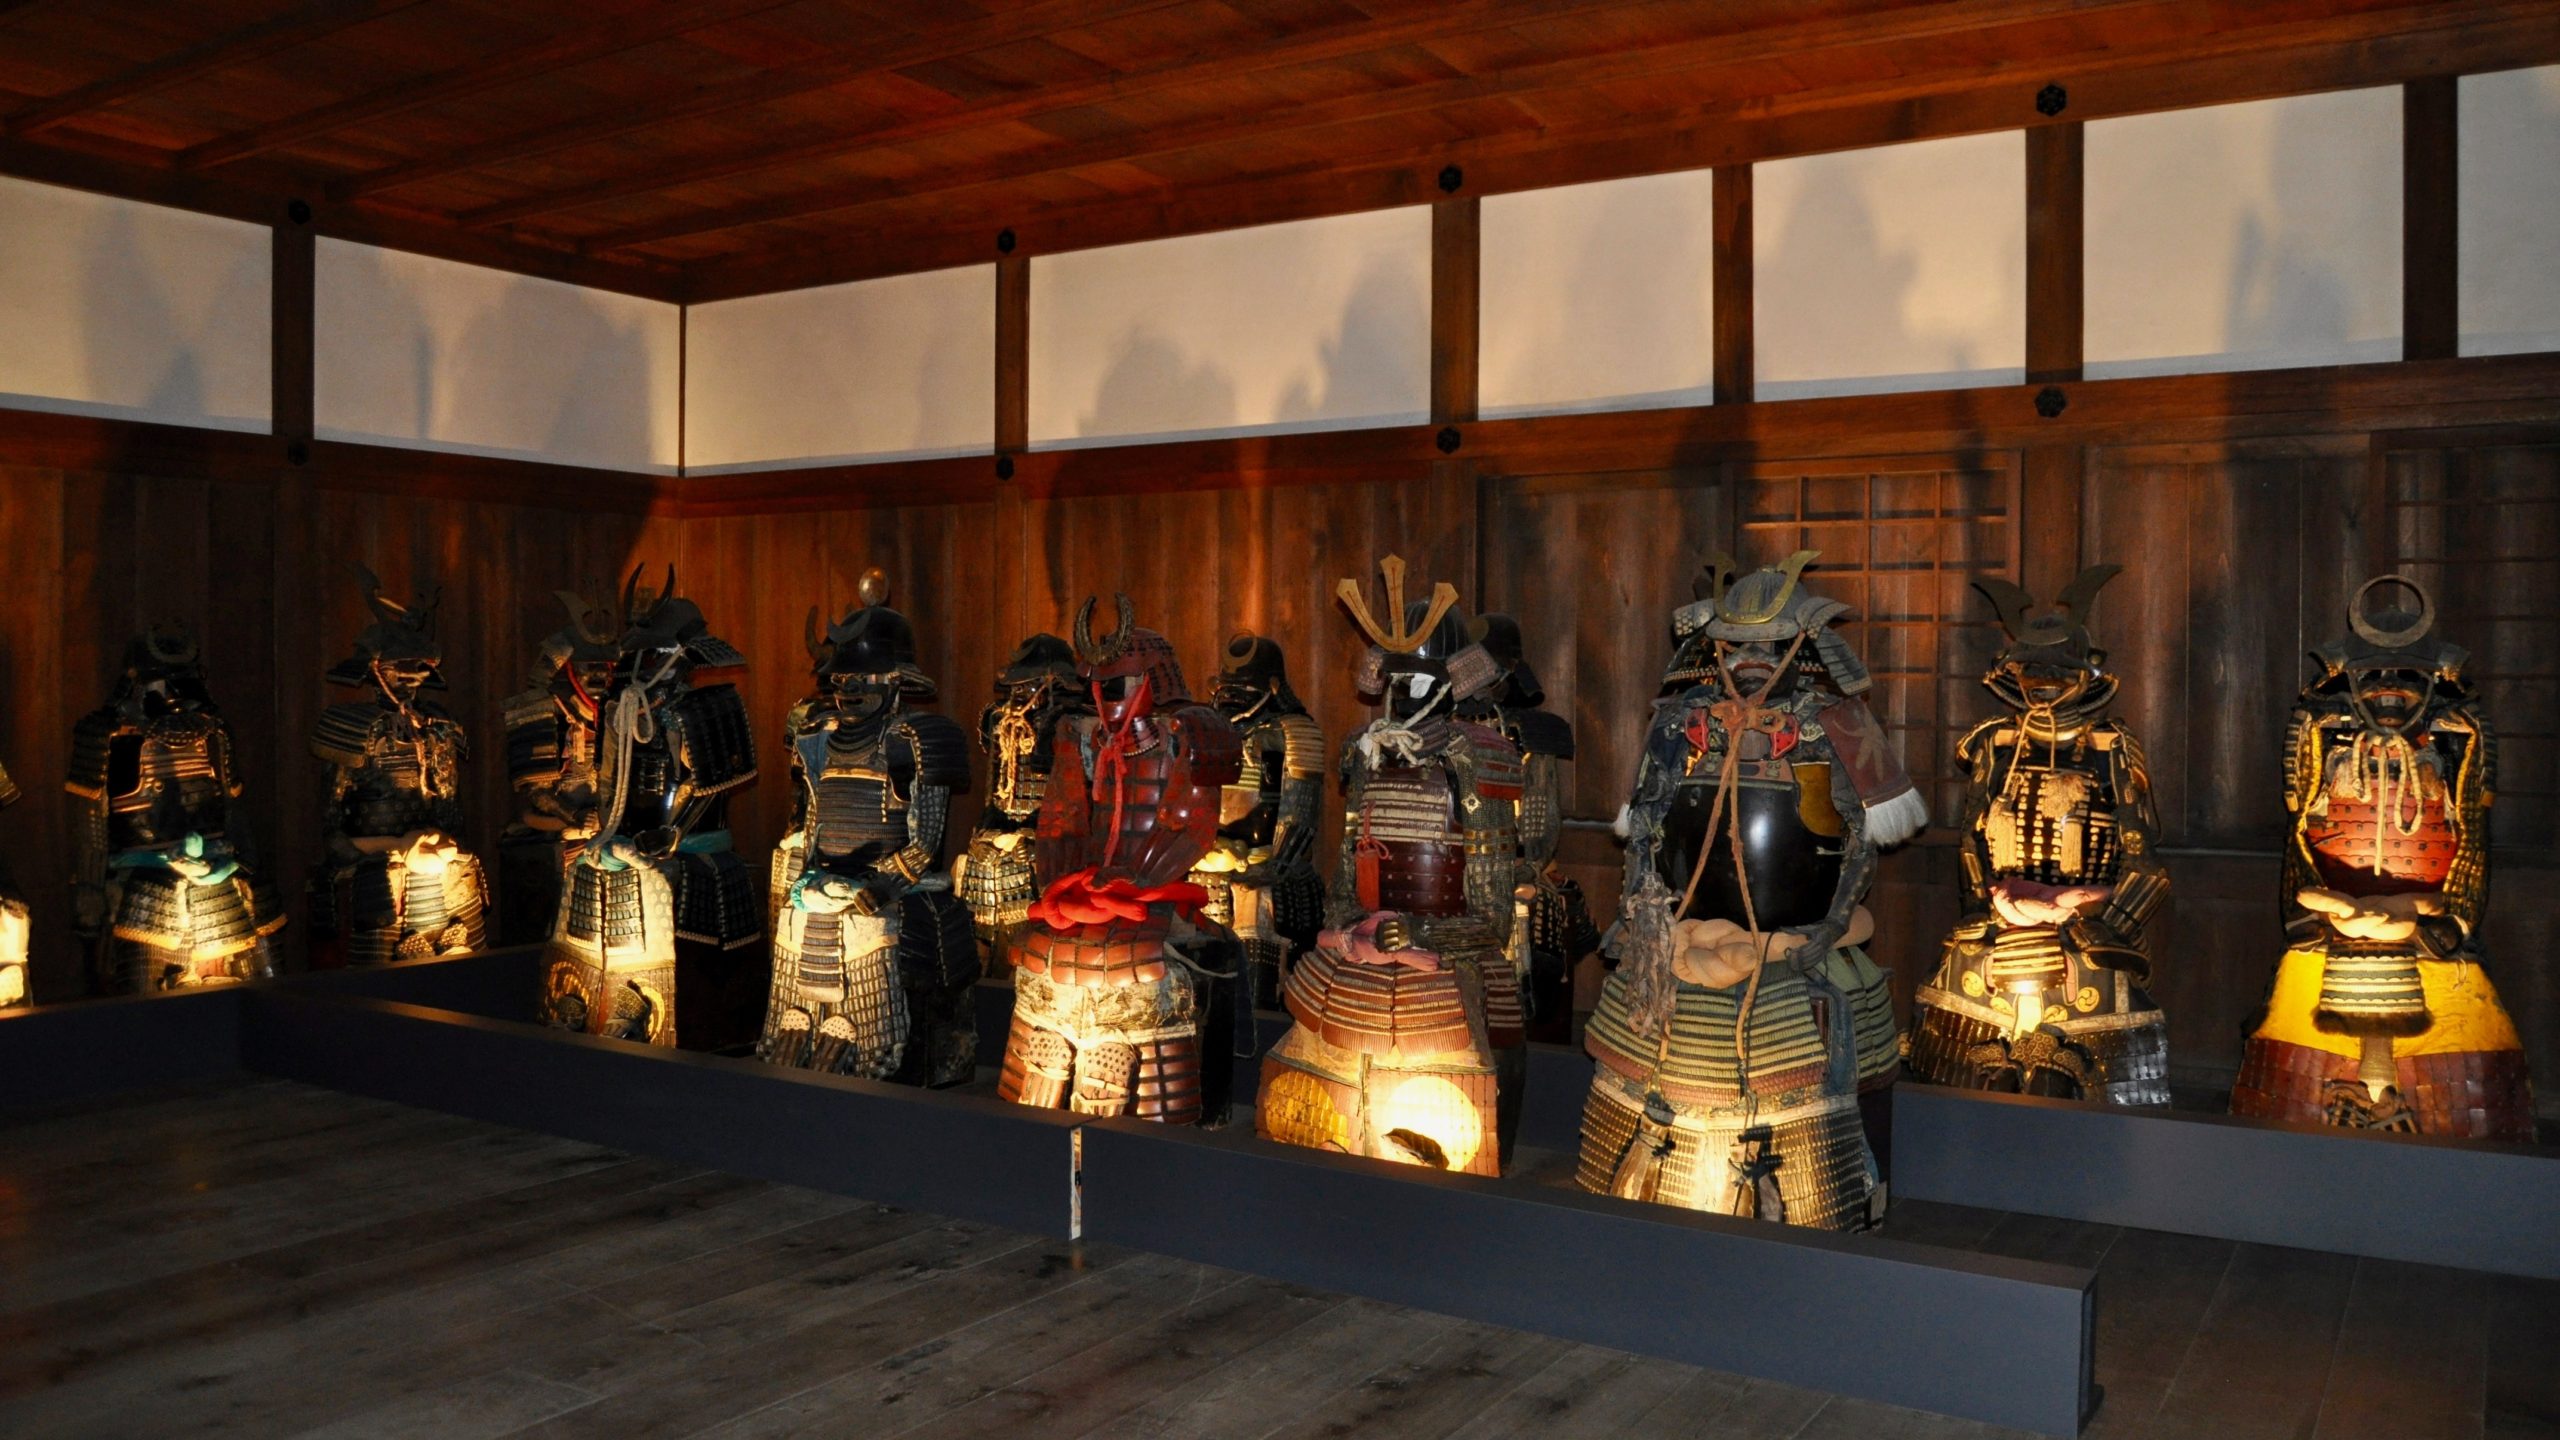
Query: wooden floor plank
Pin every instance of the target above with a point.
(1244, 1398)
(2412, 1361)
(1471, 1368)
(2524, 1358)
(479, 1408)
(1585, 1393)
(2261, 1355)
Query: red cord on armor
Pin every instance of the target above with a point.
(1112, 755)
(1080, 899)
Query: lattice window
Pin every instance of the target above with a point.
(1902, 542)
(2480, 528)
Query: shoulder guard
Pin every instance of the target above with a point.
(1540, 732)
(528, 707)
(92, 738)
(1301, 745)
(1499, 774)
(1970, 746)
(941, 749)
(719, 744)
(1895, 809)
(1214, 744)
(344, 733)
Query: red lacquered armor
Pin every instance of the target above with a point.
(2344, 846)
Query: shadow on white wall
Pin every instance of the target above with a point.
(1609, 304)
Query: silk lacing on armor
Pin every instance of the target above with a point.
(2382, 769)
(1080, 899)
(631, 723)
(1015, 738)
(413, 728)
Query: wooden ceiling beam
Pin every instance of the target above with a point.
(1010, 27)
(1868, 33)
(2100, 85)
(612, 34)
(1308, 47)
(297, 26)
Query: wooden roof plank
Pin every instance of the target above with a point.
(294, 27)
(1026, 22)
(607, 35)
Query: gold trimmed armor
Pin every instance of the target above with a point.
(1745, 1040)
(1408, 1038)
(1106, 1005)
(162, 890)
(2382, 1015)
(1035, 689)
(1261, 874)
(15, 988)
(393, 883)
(874, 960)
(656, 867)
(2042, 985)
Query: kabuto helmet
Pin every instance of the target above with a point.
(1499, 634)
(2390, 668)
(2050, 660)
(872, 649)
(164, 670)
(1256, 678)
(662, 628)
(1041, 659)
(1427, 661)
(1132, 671)
(399, 650)
(1768, 609)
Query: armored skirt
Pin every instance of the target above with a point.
(2463, 1073)
(172, 932)
(610, 968)
(1392, 1056)
(886, 997)
(2114, 1042)
(426, 897)
(1105, 1022)
(1669, 1121)
(997, 883)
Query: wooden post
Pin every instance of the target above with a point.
(2054, 231)
(2430, 234)
(1456, 298)
(1732, 283)
(1013, 354)
(292, 338)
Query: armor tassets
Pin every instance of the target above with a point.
(1106, 1016)
(1407, 1042)
(2382, 1015)
(1745, 1040)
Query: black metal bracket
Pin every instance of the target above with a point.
(2050, 401)
(1004, 242)
(1451, 177)
(2051, 99)
(1004, 467)
(298, 211)
(1447, 439)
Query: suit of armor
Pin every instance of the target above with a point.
(14, 989)
(2382, 1016)
(1408, 1036)
(1745, 1034)
(1551, 927)
(874, 961)
(670, 750)
(1261, 874)
(2041, 988)
(393, 883)
(1034, 690)
(1105, 1011)
(162, 889)
(554, 750)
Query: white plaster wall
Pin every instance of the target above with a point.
(895, 369)
(111, 307)
(1598, 297)
(1315, 324)
(2509, 211)
(2239, 237)
(1897, 268)
(437, 355)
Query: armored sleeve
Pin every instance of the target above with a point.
(2303, 763)
(1342, 907)
(533, 725)
(92, 741)
(1857, 870)
(2466, 886)
(941, 756)
(1293, 831)
(1978, 756)
(1485, 775)
(2142, 879)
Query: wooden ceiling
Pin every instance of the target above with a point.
(703, 147)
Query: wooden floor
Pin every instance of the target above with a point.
(269, 1259)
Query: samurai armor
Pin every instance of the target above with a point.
(2382, 1014)
(14, 989)
(1104, 1023)
(425, 899)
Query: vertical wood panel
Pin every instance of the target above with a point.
(292, 339)
(1013, 354)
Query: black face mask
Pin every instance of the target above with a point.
(2391, 700)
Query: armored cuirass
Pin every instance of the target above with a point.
(2379, 824)
(395, 778)
(166, 779)
(862, 783)
(2054, 824)
(1408, 819)
(1019, 751)
(1155, 789)
(1791, 846)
